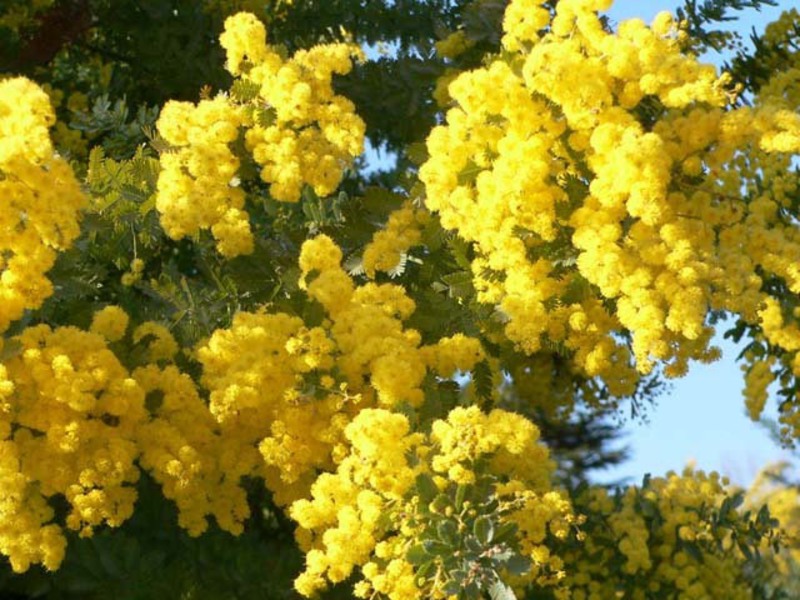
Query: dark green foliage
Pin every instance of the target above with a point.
(703, 16)
(473, 551)
(150, 557)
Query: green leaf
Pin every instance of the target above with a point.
(245, 90)
(437, 548)
(417, 555)
(426, 488)
(482, 380)
(483, 528)
(693, 550)
(441, 502)
(505, 532)
(453, 587)
(460, 249)
(763, 516)
(417, 153)
(518, 564)
(724, 510)
(459, 284)
(10, 349)
(748, 554)
(461, 494)
(425, 569)
(380, 202)
(447, 532)
(468, 174)
(266, 117)
(500, 591)
(647, 508)
(433, 235)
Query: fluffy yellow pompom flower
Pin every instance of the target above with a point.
(244, 39)
(110, 322)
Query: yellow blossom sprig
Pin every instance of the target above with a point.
(196, 188)
(402, 231)
(42, 199)
(255, 373)
(366, 323)
(314, 133)
(294, 127)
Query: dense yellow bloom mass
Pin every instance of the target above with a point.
(255, 372)
(68, 426)
(603, 180)
(196, 187)
(39, 199)
(296, 128)
(315, 133)
(612, 202)
(370, 512)
(187, 453)
(367, 326)
(258, 371)
(669, 537)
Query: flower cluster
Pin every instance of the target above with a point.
(68, 424)
(255, 372)
(367, 325)
(74, 422)
(394, 486)
(41, 199)
(776, 487)
(782, 60)
(402, 231)
(259, 372)
(314, 133)
(675, 536)
(602, 180)
(612, 203)
(196, 186)
(295, 127)
(182, 446)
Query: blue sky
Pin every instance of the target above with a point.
(702, 418)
